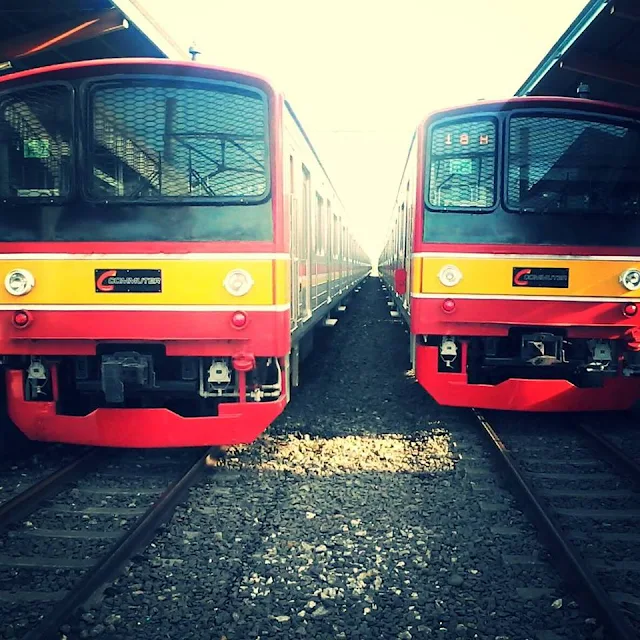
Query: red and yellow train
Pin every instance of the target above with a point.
(168, 239)
(514, 254)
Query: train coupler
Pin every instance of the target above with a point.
(542, 349)
(125, 369)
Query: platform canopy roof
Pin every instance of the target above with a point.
(601, 48)
(36, 33)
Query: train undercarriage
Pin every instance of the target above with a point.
(539, 354)
(531, 369)
(131, 395)
(134, 376)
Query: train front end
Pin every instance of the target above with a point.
(145, 297)
(526, 266)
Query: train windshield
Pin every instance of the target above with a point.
(567, 165)
(154, 160)
(165, 141)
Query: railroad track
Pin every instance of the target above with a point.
(583, 494)
(65, 537)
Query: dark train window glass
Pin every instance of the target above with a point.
(462, 165)
(164, 141)
(35, 143)
(569, 165)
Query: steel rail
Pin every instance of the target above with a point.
(26, 501)
(573, 568)
(631, 466)
(107, 567)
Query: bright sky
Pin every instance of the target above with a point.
(361, 74)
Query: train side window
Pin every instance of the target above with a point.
(292, 174)
(306, 205)
(328, 216)
(345, 240)
(320, 231)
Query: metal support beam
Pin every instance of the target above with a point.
(587, 16)
(63, 34)
(144, 20)
(619, 72)
(625, 11)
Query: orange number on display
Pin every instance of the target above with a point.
(464, 139)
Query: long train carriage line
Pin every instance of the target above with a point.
(514, 255)
(169, 241)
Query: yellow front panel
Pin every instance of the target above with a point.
(494, 275)
(188, 281)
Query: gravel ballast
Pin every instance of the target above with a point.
(366, 511)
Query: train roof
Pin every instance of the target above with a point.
(534, 102)
(186, 66)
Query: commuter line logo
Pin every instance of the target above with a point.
(128, 280)
(556, 278)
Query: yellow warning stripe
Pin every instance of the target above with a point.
(184, 282)
(494, 275)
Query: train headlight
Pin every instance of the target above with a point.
(630, 279)
(19, 282)
(450, 275)
(238, 282)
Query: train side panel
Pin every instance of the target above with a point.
(395, 264)
(326, 263)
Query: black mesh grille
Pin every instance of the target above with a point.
(165, 141)
(35, 142)
(564, 165)
(462, 164)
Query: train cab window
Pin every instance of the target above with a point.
(461, 165)
(36, 143)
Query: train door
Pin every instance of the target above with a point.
(331, 253)
(408, 224)
(340, 267)
(304, 249)
(344, 254)
(293, 244)
(319, 255)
